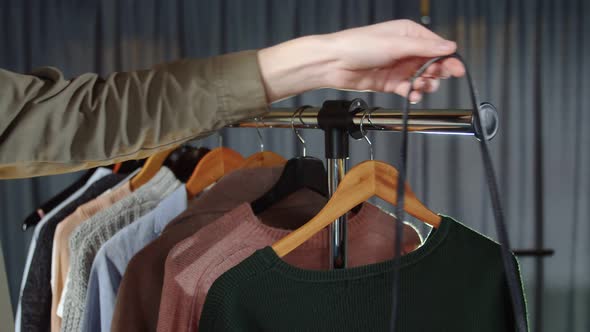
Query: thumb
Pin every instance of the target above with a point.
(423, 47)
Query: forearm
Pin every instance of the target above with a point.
(296, 66)
(51, 125)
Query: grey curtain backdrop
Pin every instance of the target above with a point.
(527, 57)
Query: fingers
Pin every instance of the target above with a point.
(437, 70)
(413, 29)
(445, 69)
(415, 97)
(421, 85)
(420, 47)
(431, 85)
(454, 67)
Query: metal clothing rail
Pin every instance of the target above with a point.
(426, 121)
(340, 119)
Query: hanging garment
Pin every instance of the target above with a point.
(86, 241)
(61, 244)
(112, 259)
(138, 298)
(454, 282)
(36, 296)
(98, 174)
(32, 219)
(194, 264)
(6, 316)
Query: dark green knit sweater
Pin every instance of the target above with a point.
(454, 282)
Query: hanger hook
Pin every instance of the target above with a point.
(295, 131)
(367, 114)
(219, 139)
(259, 135)
(371, 110)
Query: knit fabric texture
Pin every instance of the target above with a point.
(191, 271)
(107, 223)
(453, 282)
(99, 173)
(112, 259)
(36, 296)
(60, 260)
(138, 298)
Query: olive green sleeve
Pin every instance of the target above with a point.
(51, 125)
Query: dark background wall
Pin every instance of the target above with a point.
(527, 57)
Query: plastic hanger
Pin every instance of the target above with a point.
(300, 172)
(212, 167)
(182, 161)
(150, 168)
(36, 216)
(367, 179)
(33, 219)
(263, 158)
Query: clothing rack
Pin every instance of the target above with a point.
(426, 121)
(340, 119)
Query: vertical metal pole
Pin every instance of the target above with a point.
(338, 231)
(336, 119)
(539, 198)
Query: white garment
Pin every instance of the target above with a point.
(97, 175)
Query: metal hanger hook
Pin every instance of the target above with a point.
(367, 114)
(295, 131)
(219, 139)
(371, 110)
(259, 135)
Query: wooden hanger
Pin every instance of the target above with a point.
(150, 168)
(264, 159)
(212, 167)
(367, 179)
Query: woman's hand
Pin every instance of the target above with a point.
(380, 57)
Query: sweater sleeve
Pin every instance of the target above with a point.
(226, 303)
(225, 308)
(218, 314)
(92, 314)
(52, 125)
(522, 299)
(101, 293)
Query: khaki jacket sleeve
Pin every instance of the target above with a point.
(49, 125)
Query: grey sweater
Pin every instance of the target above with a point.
(89, 237)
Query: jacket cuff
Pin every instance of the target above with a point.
(241, 93)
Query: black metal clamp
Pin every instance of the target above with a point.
(336, 119)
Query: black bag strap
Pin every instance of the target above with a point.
(510, 268)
